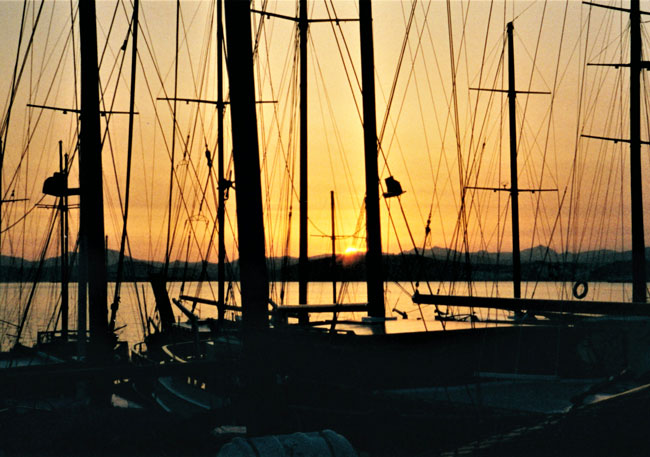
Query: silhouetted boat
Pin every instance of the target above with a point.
(60, 363)
(464, 380)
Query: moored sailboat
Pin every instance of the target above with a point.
(66, 352)
(484, 357)
(336, 366)
(308, 376)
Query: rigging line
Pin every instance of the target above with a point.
(555, 82)
(76, 103)
(260, 26)
(31, 132)
(427, 236)
(199, 118)
(15, 70)
(418, 253)
(490, 97)
(400, 60)
(558, 217)
(436, 196)
(462, 55)
(523, 12)
(56, 313)
(204, 273)
(526, 104)
(463, 214)
(4, 130)
(261, 33)
(337, 134)
(181, 177)
(17, 76)
(266, 164)
(644, 82)
(573, 211)
(402, 53)
(419, 97)
(186, 263)
(129, 155)
(337, 22)
(276, 123)
(6, 229)
(108, 35)
(211, 185)
(385, 121)
(441, 133)
(211, 180)
(30, 136)
(184, 205)
(198, 88)
(343, 61)
(171, 173)
(183, 201)
(39, 270)
(462, 52)
(106, 133)
(564, 242)
(285, 153)
(596, 183)
(475, 160)
(391, 97)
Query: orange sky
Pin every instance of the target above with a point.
(419, 144)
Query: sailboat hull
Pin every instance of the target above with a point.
(444, 358)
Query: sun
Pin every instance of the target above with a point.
(351, 250)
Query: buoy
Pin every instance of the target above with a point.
(580, 294)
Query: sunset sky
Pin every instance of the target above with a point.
(428, 126)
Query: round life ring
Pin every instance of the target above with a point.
(580, 294)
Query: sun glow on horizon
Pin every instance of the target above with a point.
(351, 250)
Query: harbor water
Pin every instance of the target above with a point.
(39, 306)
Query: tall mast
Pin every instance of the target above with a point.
(514, 190)
(638, 242)
(90, 180)
(373, 228)
(303, 257)
(221, 296)
(250, 220)
(636, 188)
(63, 221)
(333, 239)
(303, 262)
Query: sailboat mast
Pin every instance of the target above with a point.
(514, 189)
(221, 296)
(333, 239)
(373, 228)
(638, 242)
(303, 261)
(90, 179)
(63, 221)
(250, 220)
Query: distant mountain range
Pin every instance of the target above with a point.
(538, 263)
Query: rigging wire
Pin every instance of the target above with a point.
(23, 217)
(17, 75)
(173, 150)
(23, 320)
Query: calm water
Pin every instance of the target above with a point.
(137, 301)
